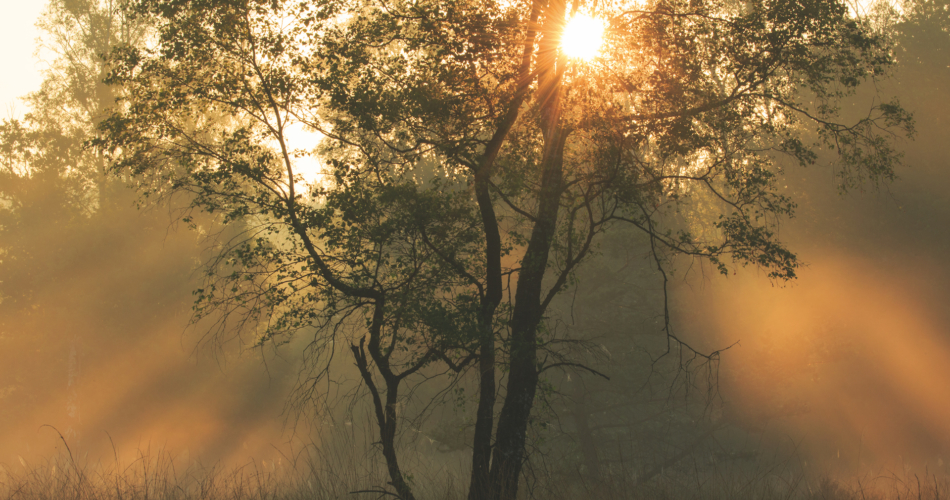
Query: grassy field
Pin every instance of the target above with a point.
(340, 470)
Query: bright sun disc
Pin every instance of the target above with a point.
(582, 37)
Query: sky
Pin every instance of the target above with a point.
(17, 37)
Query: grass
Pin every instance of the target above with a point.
(776, 481)
(337, 469)
(341, 468)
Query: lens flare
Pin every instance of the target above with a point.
(582, 37)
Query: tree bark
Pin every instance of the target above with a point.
(484, 420)
(511, 435)
(485, 414)
(385, 413)
(508, 455)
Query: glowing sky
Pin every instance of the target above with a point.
(20, 70)
(583, 36)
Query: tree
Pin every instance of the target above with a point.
(469, 166)
(60, 210)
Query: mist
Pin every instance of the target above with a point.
(833, 385)
(849, 362)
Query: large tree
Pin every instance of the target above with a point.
(468, 165)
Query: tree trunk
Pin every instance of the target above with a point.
(385, 414)
(481, 442)
(511, 434)
(479, 487)
(508, 456)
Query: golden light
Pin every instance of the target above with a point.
(582, 37)
(302, 141)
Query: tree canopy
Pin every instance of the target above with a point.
(467, 166)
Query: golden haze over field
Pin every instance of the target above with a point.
(117, 341)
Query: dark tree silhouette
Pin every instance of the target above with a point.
(468, 167)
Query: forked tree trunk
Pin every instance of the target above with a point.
(510, 438)
(385, 417)
(508, 453)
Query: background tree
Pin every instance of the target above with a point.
(95, 294)
(53, 188)
(469, 166)
(68, 229)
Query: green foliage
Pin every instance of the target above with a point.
(680, 111)
(460, 150)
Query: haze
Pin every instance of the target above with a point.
(835, 385)
(17, 34)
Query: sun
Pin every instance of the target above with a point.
(582, 37)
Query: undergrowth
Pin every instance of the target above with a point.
(340, 468)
